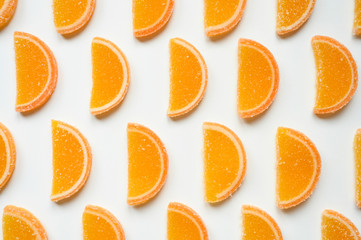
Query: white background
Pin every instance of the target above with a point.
(146, 103)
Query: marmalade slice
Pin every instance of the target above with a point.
(150, 16)
(337, 75)
(188, 77)
(7, 10)
(257, 224)
(357, 18)
(357, 154)
(99, 223)
(19, 223)
(147, 164)
(292, 14)
(221, 16)
(7, 155)
(224, 162)
(298, 167)
(258, 78)
(36, 72)
(70, 16)
(336, 226)
(72, 159)
(184, 223)
(110, 76)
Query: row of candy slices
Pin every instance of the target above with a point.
(298, 163)
(37, 74)
(183, 223)
(151, 16)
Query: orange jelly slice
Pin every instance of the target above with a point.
(257, 224)
(224, 162)
(188, 77)
(70, 16)
(292, 14)
(19, 223)
(336, 226)
(36, 72)
(150, 16)
(258, 78)
(7, 155)
(185, 223)
(221, 16)
(147, 164)
(298, 167)
(72, 159)
(110, 76)
(99, 223)
(337, 75)
(357, 18)
(7, 10)
(357, 154)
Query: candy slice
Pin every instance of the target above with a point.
(298, 167)
(185, 223)
(19, 223)
(7, 155)
(99, 223)
(357, 18)
(110, 76)
(357, 154)
(257, 224)
(221, 16)
(7, 10)
(336, 226)
(150, 16)
(188, 77)
(224, 162)
(337, 75)
(292, 14)
(36, 72)
(71, 16)
(256, 88)
(148, 164)
(72, 160)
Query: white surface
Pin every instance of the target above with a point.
(146, 103)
